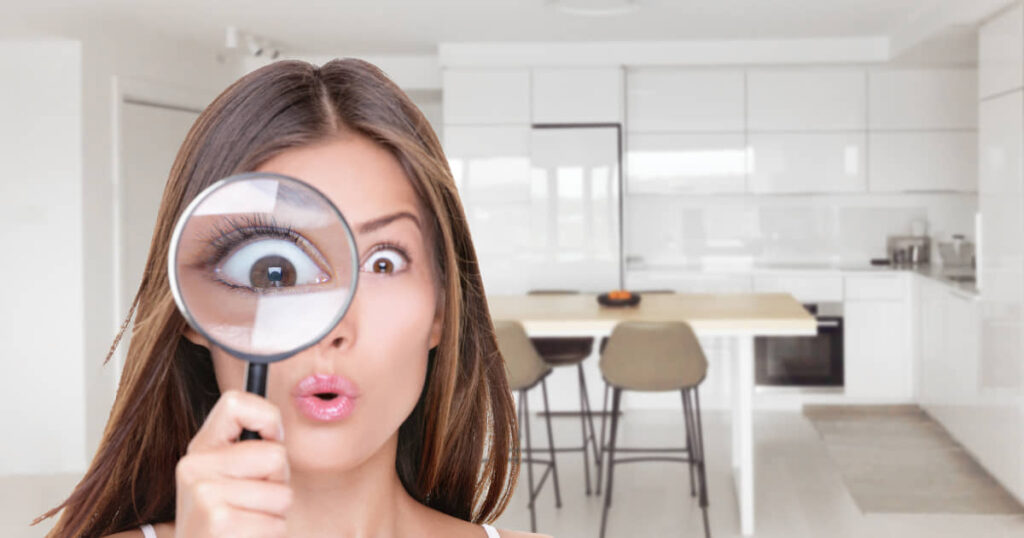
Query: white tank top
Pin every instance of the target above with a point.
(148, 532)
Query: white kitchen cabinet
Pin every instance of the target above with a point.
(807, 162)
(909, 161)
(1001, 53)
(577, 95)
(686, 163)
(878, 347)
(491, 168)
(806, 100)
(486, 96)
(923, 99)
(1001, 199)
(685, 100)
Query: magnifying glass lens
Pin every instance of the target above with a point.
(264, 266)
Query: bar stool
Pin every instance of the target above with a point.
(559, 351)
(526, 370)
(657, 357)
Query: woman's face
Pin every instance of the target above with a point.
(375, 360)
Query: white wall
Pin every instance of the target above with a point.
(41, 318)
(59, 309)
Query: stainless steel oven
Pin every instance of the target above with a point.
(804, 361)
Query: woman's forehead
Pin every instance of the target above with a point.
(361, 178)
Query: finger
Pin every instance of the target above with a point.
(271, 498)
(254, 460)
(234, 411)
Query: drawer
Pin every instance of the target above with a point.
(876, 288)
(805, 288)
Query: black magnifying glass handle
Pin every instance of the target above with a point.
(255, 383)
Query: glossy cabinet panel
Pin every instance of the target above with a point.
(486, 96)
(877, 350)
(686, 163)
(923, 161)
(491, 167)
(923, 99)
(807, 162)
(685, 100)
(577, 95)
(806, 99)
(1001, 53)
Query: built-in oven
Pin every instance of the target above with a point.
(804, 361)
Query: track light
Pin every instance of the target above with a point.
(255, 45)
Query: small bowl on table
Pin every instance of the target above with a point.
(616, 298)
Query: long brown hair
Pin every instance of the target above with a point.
(454, 449)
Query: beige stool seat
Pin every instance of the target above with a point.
(526, 369)
(655, 356)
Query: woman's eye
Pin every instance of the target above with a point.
(271, 263)
(386, 260)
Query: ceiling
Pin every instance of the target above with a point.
(417, 26)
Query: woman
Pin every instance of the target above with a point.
(415, 436)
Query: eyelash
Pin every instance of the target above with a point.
(232, 232)
(401, 250)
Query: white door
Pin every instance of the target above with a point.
(150, 136)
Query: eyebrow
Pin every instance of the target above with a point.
(380, 222)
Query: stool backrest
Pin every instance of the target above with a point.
(524, 365)
(653, 356)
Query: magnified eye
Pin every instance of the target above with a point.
(271, 263)
(385, 260)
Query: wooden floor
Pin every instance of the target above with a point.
(800, 492)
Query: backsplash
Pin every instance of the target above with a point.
(743, 230)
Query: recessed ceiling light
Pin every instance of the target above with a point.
(595, 8)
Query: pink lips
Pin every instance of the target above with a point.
(325, 398)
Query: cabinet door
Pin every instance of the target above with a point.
(1001, 53)
(923, 99)
(486, 96)
(685, 100)
(933, 381)
(686, 163)
(923, 161)
(806, 99)
(807, 162)
(877, 356)
(577, 95)
(1001, 198)
(491, 167)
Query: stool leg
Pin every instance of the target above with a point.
(701, 465)
(551, 444)
(590, 412)
(584, 413)
(611, 459)
(600, 453)
(529, 457)
(690, 455)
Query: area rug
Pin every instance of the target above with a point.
(897, 459)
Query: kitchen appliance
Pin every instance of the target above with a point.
(804, 361)
(908, 249)
(957, 253)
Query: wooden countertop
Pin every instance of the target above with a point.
(707, 313)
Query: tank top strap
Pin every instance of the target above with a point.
(491, 531)
(148, 531)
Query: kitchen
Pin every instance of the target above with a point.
(864, 160)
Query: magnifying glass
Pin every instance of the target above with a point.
(264, 266)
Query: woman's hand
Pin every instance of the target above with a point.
(231, 488)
